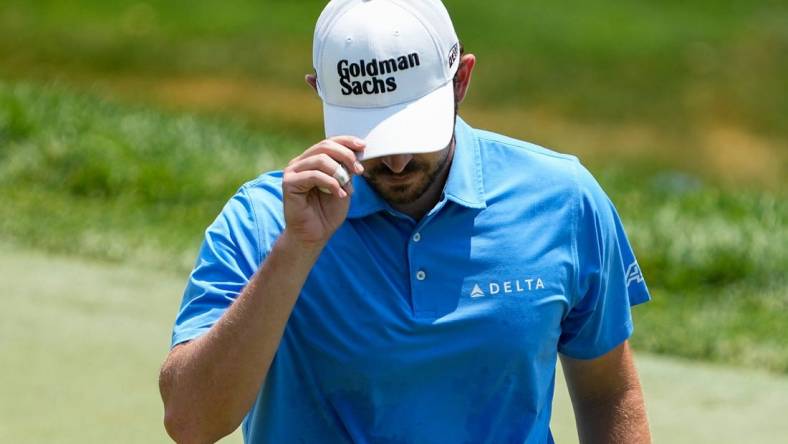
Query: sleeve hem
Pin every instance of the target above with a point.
(256, 221)
(187, 335)
(575, 227)
(640, 298)
(621, 335)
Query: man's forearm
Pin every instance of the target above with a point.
(620, 418)
(607, 397)
(210, 383)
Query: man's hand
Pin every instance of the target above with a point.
(313, 216)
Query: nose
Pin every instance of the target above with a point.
(398, 162)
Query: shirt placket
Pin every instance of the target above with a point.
(421, 285)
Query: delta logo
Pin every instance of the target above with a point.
(507, 287)
(374, 76)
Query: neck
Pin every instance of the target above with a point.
(419, 207)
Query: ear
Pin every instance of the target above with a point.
(463, 76)
(311, 80)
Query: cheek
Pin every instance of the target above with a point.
(370, 167)
(428, 162)
(370, 164)
(434, 164)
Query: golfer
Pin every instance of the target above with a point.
(410, 279)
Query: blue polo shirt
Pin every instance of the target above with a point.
(443, 330)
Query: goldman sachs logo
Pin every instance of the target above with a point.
(349, 74)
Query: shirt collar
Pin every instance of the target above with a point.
(464, 186)
(365, 200)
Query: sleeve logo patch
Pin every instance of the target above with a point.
(634, 274)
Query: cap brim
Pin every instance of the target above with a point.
(420, 126)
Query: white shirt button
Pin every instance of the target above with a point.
(421, 275)
(416, 237)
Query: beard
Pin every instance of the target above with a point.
(423, 175)
(424, 171)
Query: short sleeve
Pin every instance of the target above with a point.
(229, 256)
(608, 279)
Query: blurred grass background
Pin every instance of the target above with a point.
(125, 126)
(697, 85)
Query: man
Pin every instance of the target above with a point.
(427, 299)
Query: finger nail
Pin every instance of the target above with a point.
(360, 142)
(359, 167)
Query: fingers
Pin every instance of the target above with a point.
(322, 162)
(325, 158)
(300, 182)
(343, 149)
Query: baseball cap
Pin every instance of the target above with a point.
(384, 72)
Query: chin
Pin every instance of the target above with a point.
(402, 194)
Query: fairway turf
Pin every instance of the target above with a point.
(81, 348)
(83, 341)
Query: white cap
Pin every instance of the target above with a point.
(384, 72)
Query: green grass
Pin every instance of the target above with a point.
(81, 349)
(88, 177)
(83, 345)
(688, 84)
(94, 178)
(715, 259)
(672, 64)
